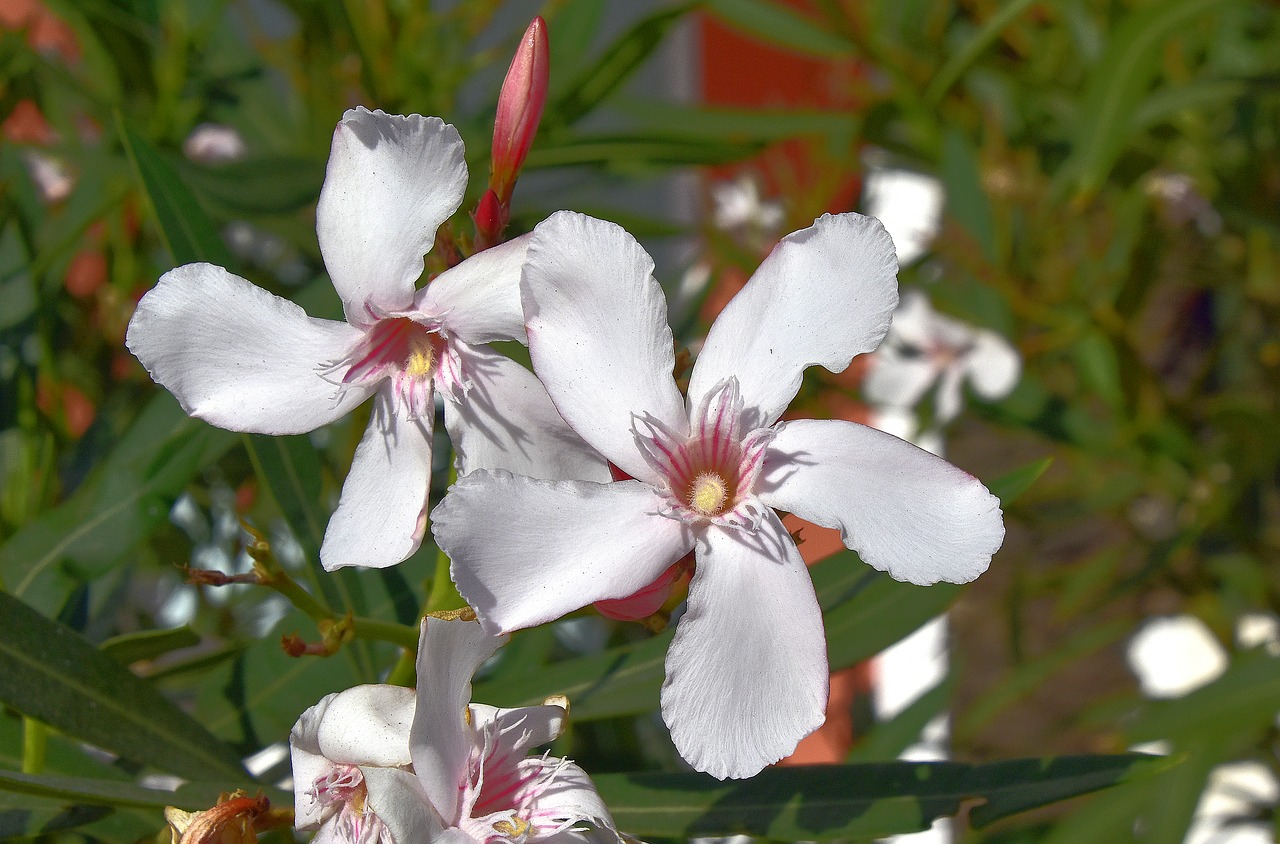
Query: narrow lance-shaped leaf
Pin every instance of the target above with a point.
(51, 673)
(857, 801)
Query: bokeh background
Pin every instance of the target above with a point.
(1090, 187)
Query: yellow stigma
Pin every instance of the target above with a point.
(707, 493)
(421, 357)
(513, 828)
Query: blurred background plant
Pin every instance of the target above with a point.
(1093, 183)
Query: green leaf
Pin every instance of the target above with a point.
(25, 817)
(889, 738)
(1246, 696)
(1008, 488)
(270, 185)
(1118, 83)
(49, 672)
(617, 62)
(125, 499)
(967, 201)
(738, 125)
(148, 644)
(628, 153)
(774, 23)
(1100, 368)
(856, 801)
(109, 792)
(185, 227)
(979, 41)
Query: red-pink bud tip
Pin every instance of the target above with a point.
(491, 217)
(524, 94)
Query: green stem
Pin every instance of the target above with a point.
(35, 738)
(385, 631)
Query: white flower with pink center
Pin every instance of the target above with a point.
(471, 778)
(380, 765)
(747, 669)
(924, 349)
(246, 360)
(363, 730)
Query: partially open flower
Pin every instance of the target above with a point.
(379, 764)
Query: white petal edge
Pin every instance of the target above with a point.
(562, 544)
(569, 800)
(747, 674)
(898, 380)
(368, 725)
(309, 765)
(381, 514)
(449, 652)
(905, 511)
(396, 797)
(993, 366)
(598, 334)
(391, 181)
(239, 357)
(506, 420)
(824, 295)
(519, 730)
(479, 299)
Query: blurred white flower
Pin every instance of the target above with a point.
(909, 204)
(1175, 655)
(1235, 806)
(739, 207)
(52, 177)
(210, 143)
(924, 348)
(1259, 630)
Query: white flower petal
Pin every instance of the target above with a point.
(519, 730)
(598, 334)
(391, 181)
(824, 295)
(507, 421)
(396, 797)
(449, 653)
(479, 299)
(368, 725)
(561, 546)
(380, 517)
(896, 379)
(910, 206)
(309, 765)
(238, 357)
(747, 670)
(993, 366)
(949, 399)
(571, 798)
(1175, 655)
(902, 509)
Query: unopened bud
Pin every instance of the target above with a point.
(491, 219)
(524, 94)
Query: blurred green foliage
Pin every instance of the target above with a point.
(1113, 187)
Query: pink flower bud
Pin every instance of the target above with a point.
(524, 93)
(491, 218)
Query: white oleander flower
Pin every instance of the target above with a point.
(924, 348)
(246, 360)
(381, 764)
(747, 671)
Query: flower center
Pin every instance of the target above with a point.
(407, 352)
(710, 474)
(708, 494)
